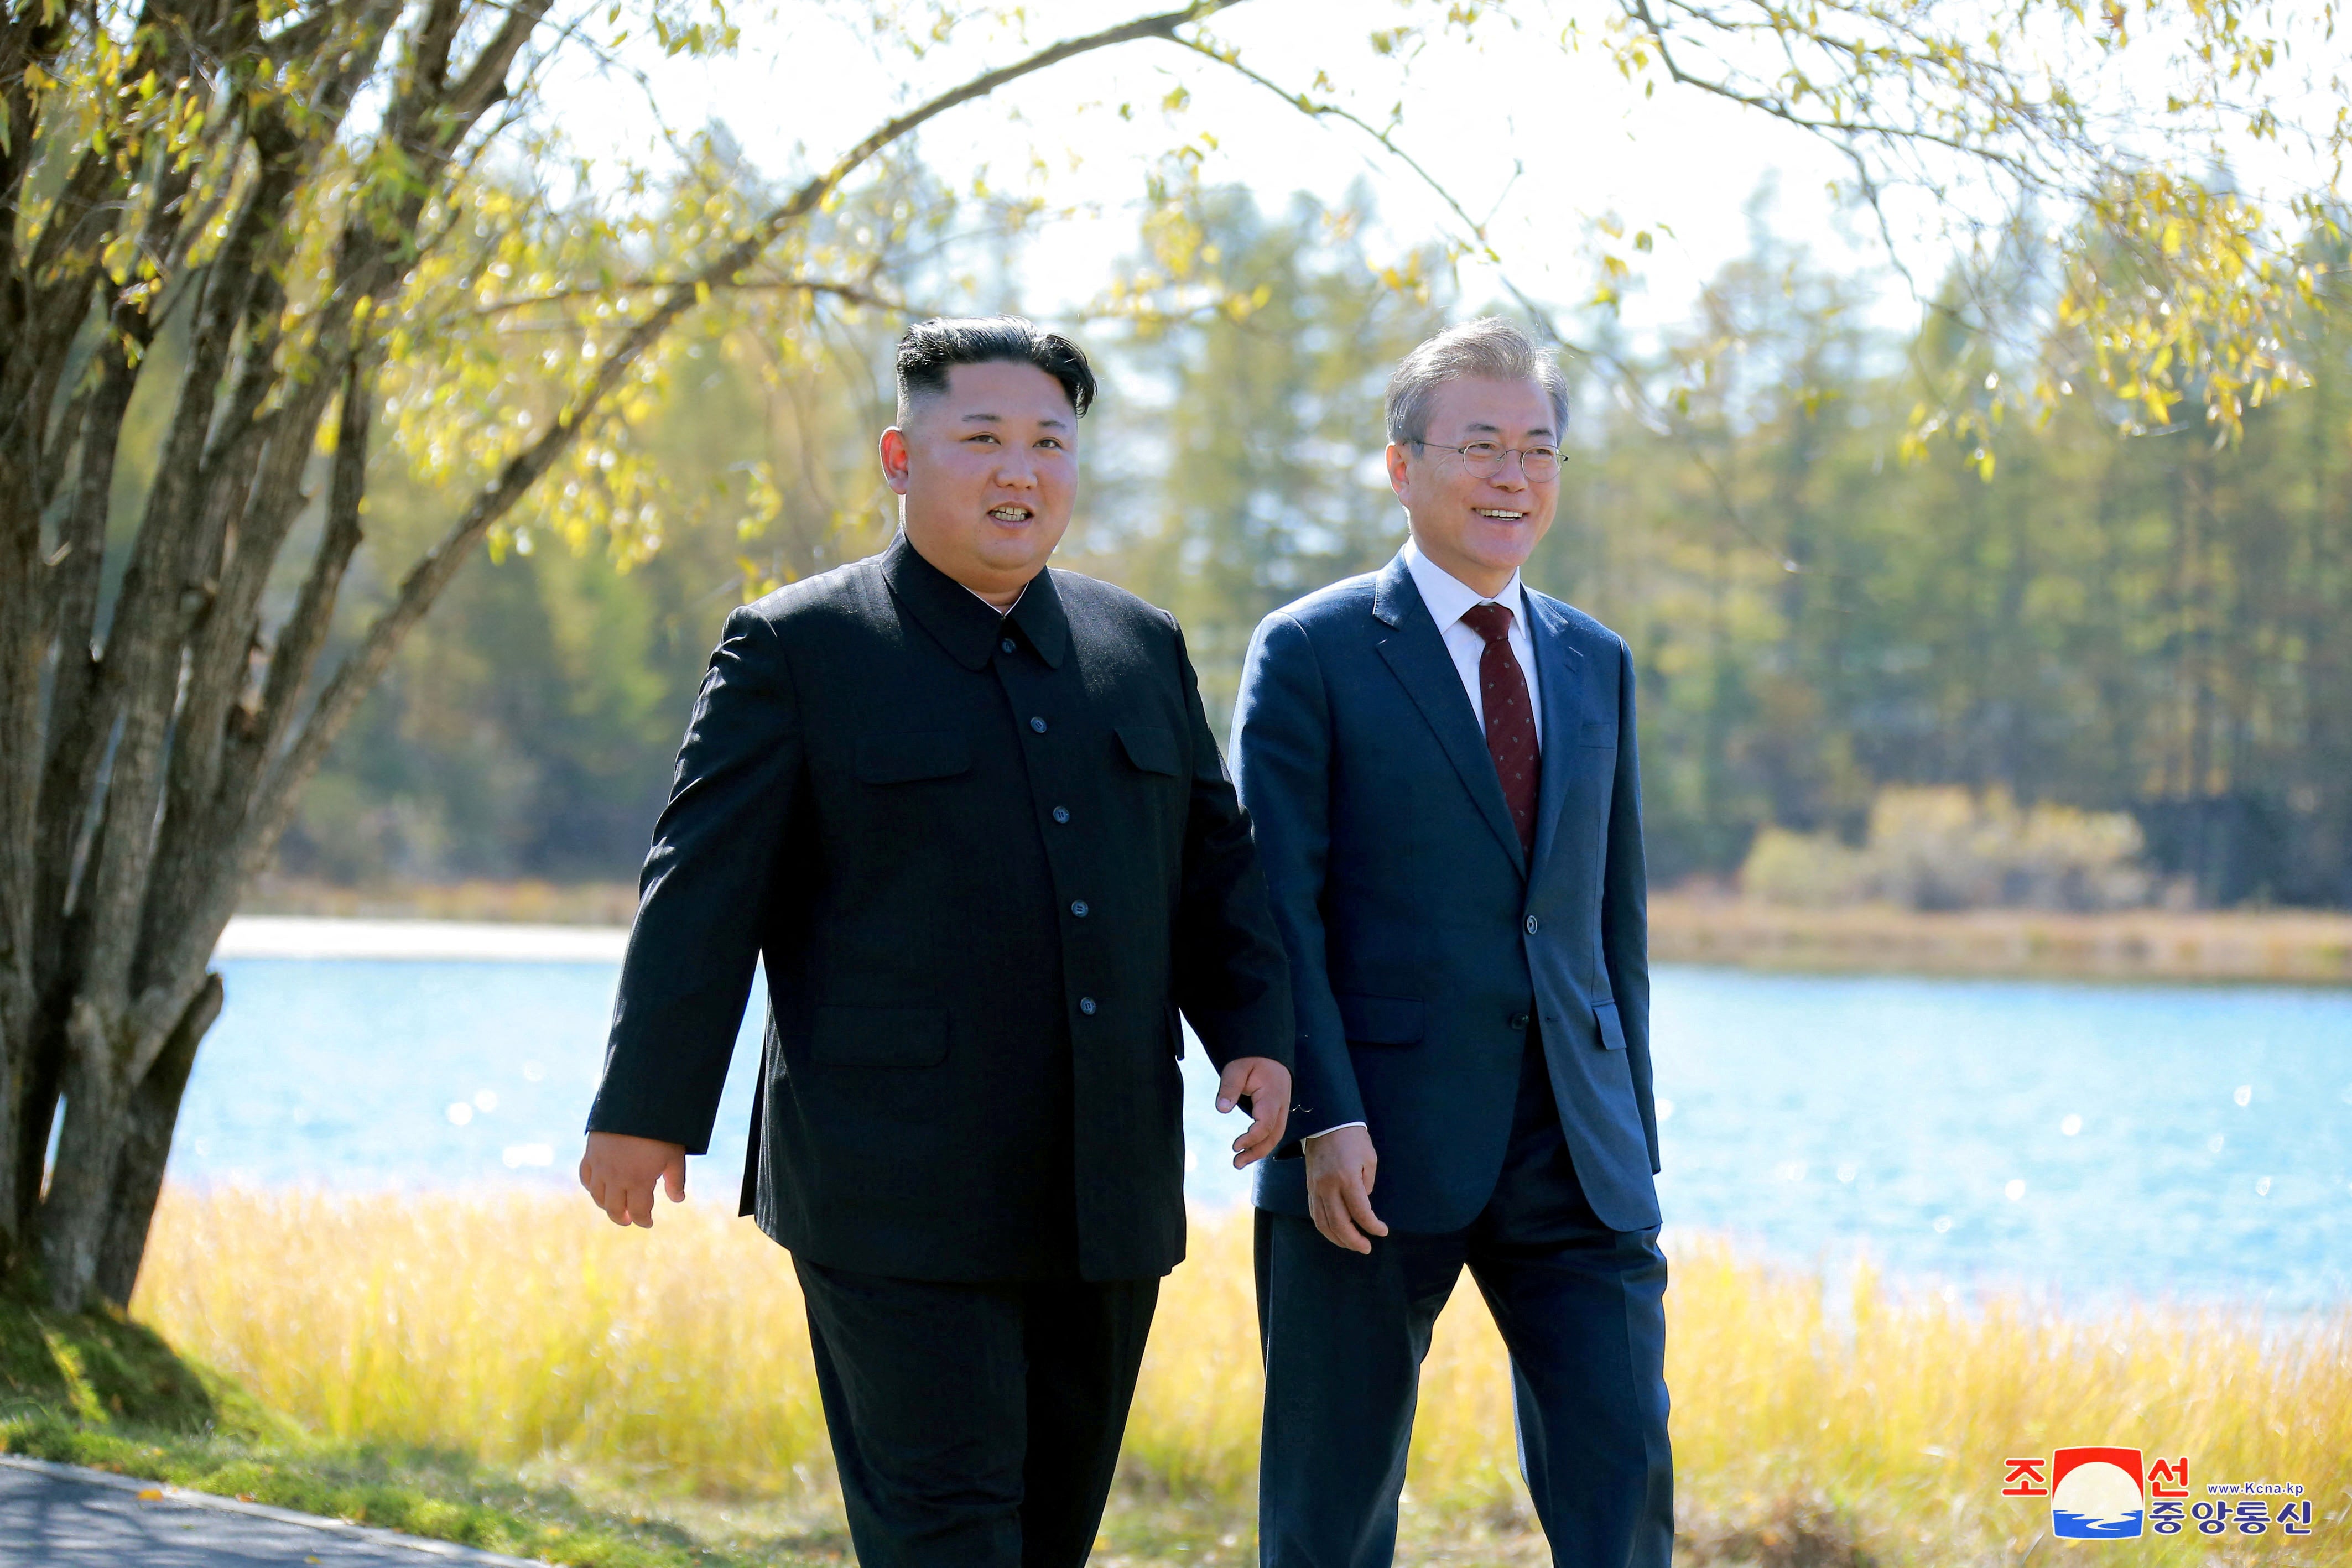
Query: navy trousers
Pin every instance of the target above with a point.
(1581, 1308)
(974, 1426)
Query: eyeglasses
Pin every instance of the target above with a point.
(1485, 459)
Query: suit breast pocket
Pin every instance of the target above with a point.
(1148, 787)
(1597, 732)
(1151, 748)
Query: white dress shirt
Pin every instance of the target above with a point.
(1447, 597)
(999, 611)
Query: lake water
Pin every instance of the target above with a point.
(2087, 1141)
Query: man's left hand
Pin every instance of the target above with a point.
(621, 1173)
(1266, 1083)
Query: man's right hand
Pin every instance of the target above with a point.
(1339, 1167)
(620, 1173)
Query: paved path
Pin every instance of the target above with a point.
(59, 1516)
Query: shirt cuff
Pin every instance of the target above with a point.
(1328, 1131)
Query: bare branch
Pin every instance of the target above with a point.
(849, 293)
(305, 631)
(1317, 110)
(1835, 129)
(421, 95)
(75, 571)
(485, 83)
(1538, 314)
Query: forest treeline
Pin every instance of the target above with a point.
(2096, 614)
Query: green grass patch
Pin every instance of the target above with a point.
(99, 1390)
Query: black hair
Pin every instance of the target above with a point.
(930, 349)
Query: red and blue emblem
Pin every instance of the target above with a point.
(2097, 1494)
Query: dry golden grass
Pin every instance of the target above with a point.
(525, 1328)
(2296, 948)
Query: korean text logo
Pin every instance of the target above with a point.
(2113, 1494)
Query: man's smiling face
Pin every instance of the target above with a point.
(989, 472)
(1478, 529)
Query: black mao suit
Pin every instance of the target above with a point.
(985, 861)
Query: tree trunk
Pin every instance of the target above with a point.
(154, 1111)
(40, 1079)
(12, 1225)
(72, 1221)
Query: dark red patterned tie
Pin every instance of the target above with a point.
(1510, 717)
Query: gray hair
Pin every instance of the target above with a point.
(1490, 348)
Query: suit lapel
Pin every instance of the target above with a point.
(1416, 654)
(1559, 670)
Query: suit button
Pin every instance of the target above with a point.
(1519, 1021)
(1038, 725)
(1087, 1006)
(1532, 923)
(1061, 813)
(1079, 907)
(1007, 644)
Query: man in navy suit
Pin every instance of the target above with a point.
(1440, 763)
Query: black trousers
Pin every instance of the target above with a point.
(1581, 1308)
(974, 1426)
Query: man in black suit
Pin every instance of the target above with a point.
(969, 814)
(1440, 763)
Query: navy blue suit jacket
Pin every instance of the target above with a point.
(1422, 936)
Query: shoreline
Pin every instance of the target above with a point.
(588, 923)
(418, 938)
(2277, 947)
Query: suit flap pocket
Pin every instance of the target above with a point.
(923, 754)
(1612, 1028)
(1149, 748)
(1597, 732)
(879, 1036)
(1382, 1020)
